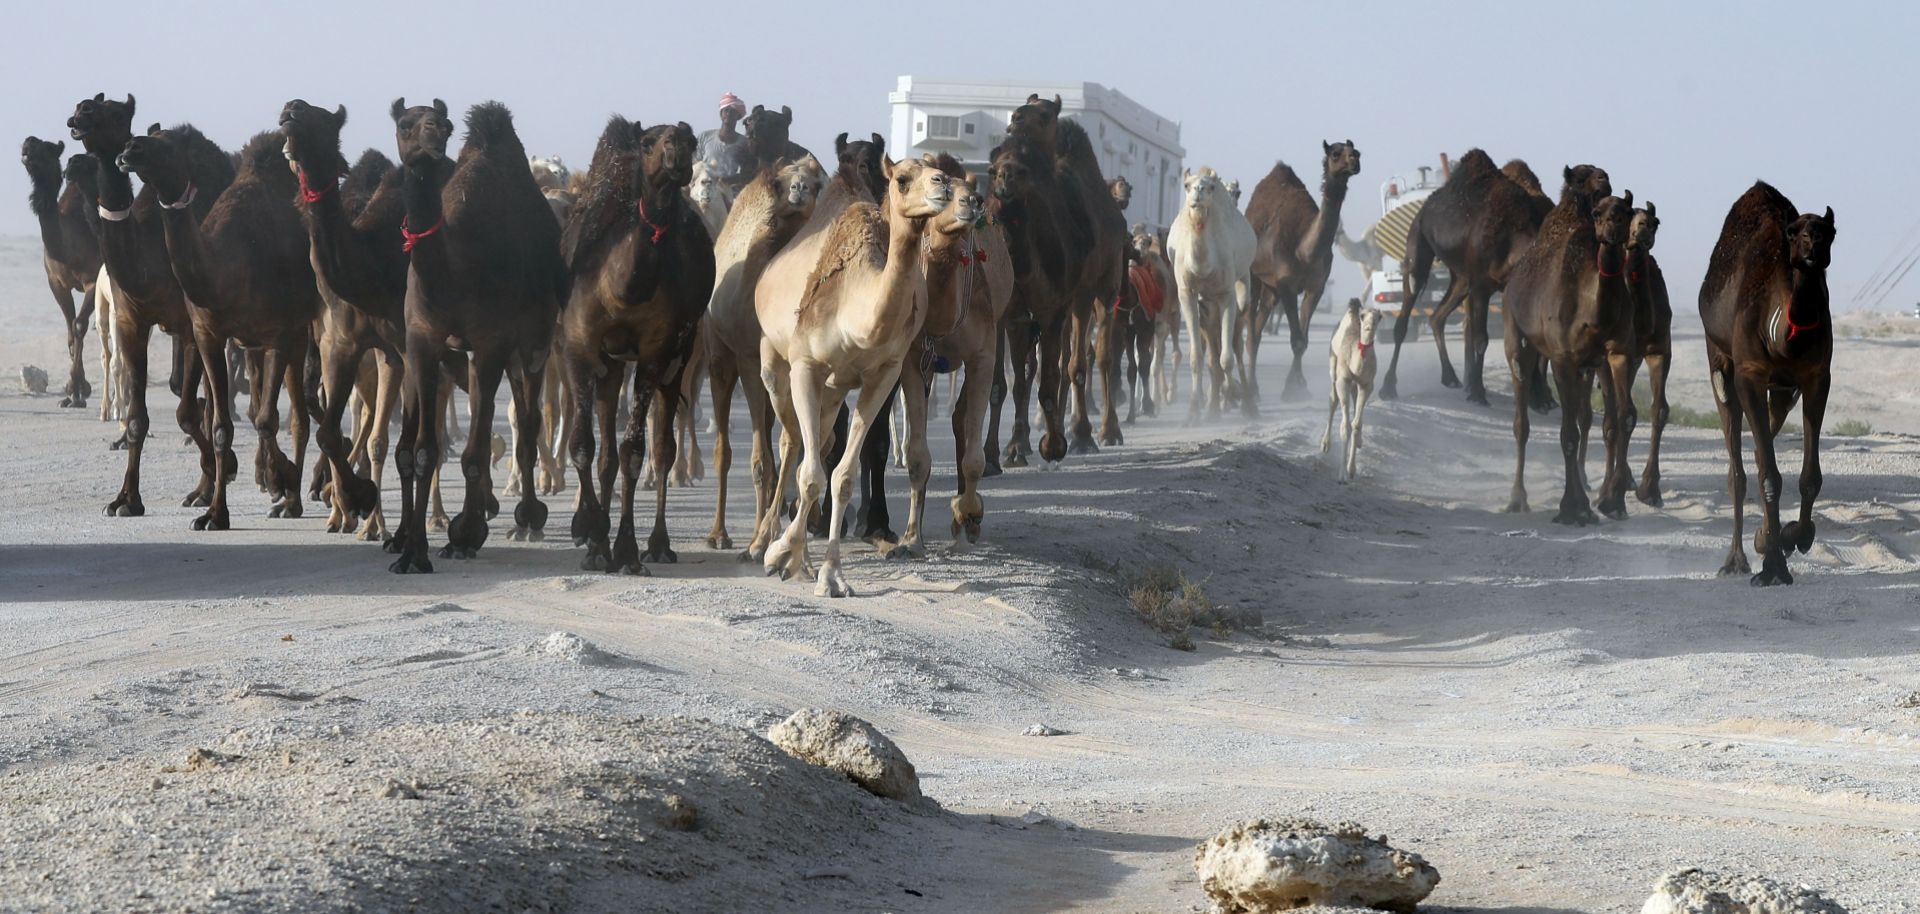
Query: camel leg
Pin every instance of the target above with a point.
(1333, 403)
(113, 403)
(300, 411)
(1146, 360)
(1112, 346)
(1053, 442)
(876, 523)
(353, 497)
(1080, 376)
(1751, 394)
(969, 416)
(722, 377)
(1649, 491)
(1227, 354)
(1020, 345)
(1249, 331)
(589, 526)
(1360, 394)
(831, 582)
(213, 363)
(1798, 534)
(1437, 325)
(763, 464)
(77, 389)
(1309, 302)
(442, 414)
(418, 458)
(996, 394)
(633, 458)
(901, 430)
(784, 474)
(133, 337)
(467, 532)
(803, 402)
(1621, 417)
(1478, 304)
(390, 376)
(1575, 508)
(913, 397)
(1197, 358)
(1720, 379)
(526, 385)
(270, 373)
(667, 401)
(1522, 365)
(515, 433)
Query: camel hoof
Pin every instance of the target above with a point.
(1478, 397)
(1735, 565)
(1082, 446)
(1448, 379)
(370, 533)
(720, 541)
(212, 520)
(1797, 535)
(1574, 518)
(1292, 393)
(1389, 390)
(73, 402)
(1773, 571)
(411, 564)
(1016, 460)
(991, 470)
(292, 507)
(1649, 494)
(832, 584)
(119, 444)
(493, 506)
(274, 513)
(1112, 439)
(395, 545)
(596, 559)
(1615, 509)
(899, 552)
(126, 507)
(437, 523)
(1517, 505)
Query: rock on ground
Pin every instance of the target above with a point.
(851, 746)
(533, 811)
(1695, 891)
(1260, 866)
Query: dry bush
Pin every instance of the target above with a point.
(1171, 603)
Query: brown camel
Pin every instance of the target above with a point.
(72, 252)
(1568, 308)
(969, 281)
(1769, 341)
(486, 276)
(1292, 259)
(1479, 224)
(133, 246)
(642, 267)
(766, 132)
(1149, 318)
(248, 277)
(766, 215)
(1653, 337)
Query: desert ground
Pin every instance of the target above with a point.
(266, 719)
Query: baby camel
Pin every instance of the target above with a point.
(860, 311)
(1350, 367)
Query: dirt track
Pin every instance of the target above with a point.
(1552, 716)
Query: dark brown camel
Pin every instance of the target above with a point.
(134, 248)
(1568, 309)
(766, 132)
(247, 277)
(486, 276)
(642, 267)
(1653, 335)
(1479, 224)
(1769, 340)
(1292, 259)
(362, 277)
(72, 252)
(1150, 278)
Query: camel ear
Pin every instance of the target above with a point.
(102, 96)
(1326, 148)
(928, 158)
(1566, 174)
(340, 116)
(1033, 98)
(786, 112)
(60, 147)
(399, 108)
(1650, 213)
(1349, 142)
(840, 144)
(1056, 101)
(1629, 199)
(440, 107)
(684, 127)
(759, 108)
(1829, 217)
(153, 129)
(879, 143)
(886, 165)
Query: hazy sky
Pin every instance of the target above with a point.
(1684, 103)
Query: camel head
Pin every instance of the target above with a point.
(1204, 190)
(1585, 181)
(421, 131)
(1233, 190)
(1341, 160)
(968, 205)
(1369, 321)
(549, 172)
(766, 132)
(1611, 218)
(160, 159)
(109, 124)
(1810, 241)
(667, 152)
(1641, 231)
(1122, 191)
(1037, 119)
(1009, 177)
(42, 160)
(860, 163)
(916, 190)
(704, 189)
(313, 138)
(797, 185)
(84, 170)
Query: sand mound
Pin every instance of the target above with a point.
(531, 812)
(575, 649)
(1693, 891)
(1261, 866)
(841, 742)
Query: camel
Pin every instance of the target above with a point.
(765, 216)
(859, 178)
(766, 136)
(1121, 190)
(71, 251)
(969, 280)
(134, 250)
(486, 276)
(83, 177)
(1150, 323)
(1769, 341)
(1351, 365)
(1364, 253)
(1568, 309)
(248, 277)
(1233, 190)
(1479, 224)
(642, 267)
(1068, 242)
(710, 198)
(1131, 325)
(1292, 260)
(1653, 337)
(861, 309)
(1213, 254)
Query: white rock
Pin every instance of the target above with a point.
(851, 746)
(1261, 866)
(1695, 891)
(1041, 730)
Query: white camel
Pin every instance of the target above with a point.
(115, 394)
(1213, 247)
(1350, 365)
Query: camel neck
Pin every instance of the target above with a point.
(46, 209)
(186, 250)
(1610, 260)
(897, 314)
(950, 266)
(1326, 225)
(1807, 304)
(420, 194)
(116, 187)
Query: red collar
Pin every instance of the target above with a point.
(310, 195)
(1599, 263)
(413, 238)
(1794, 329)
(659, 231)
(1363, 349)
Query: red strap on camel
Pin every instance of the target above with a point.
(1364, 348)
(307, 192)
(1794, 329)
(413, 238)
(1601, 265)
(659, 231)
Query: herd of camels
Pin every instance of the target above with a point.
(381, 282)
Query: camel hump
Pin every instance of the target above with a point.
(859, 234)
(263, 154)
(1474, 163)
(490, 129)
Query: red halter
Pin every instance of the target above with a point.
(1364, 347)
(659, 231)
(413, 238)
(1600, 264)
(307, 193)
